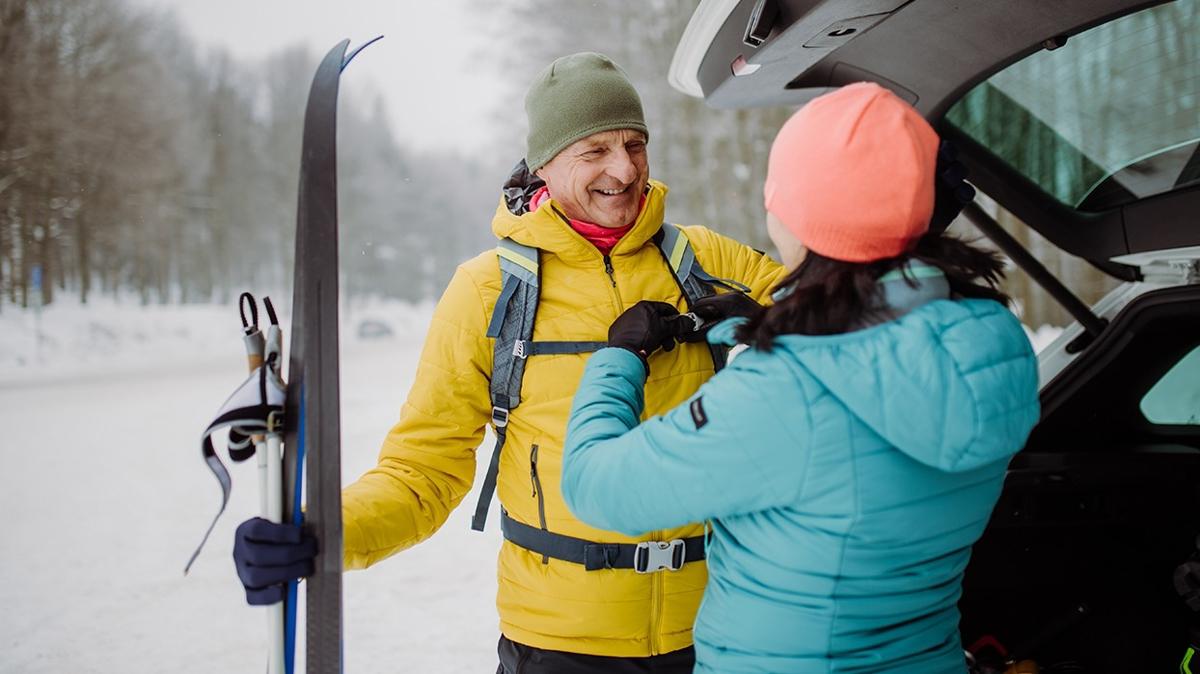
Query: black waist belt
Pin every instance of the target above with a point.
(644, 557)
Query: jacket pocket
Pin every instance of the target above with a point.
(536, 482)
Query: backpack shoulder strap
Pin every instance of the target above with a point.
(512, 327)
(677, 250)
(696, 283)
(519, 276)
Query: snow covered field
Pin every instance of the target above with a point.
(105, 495)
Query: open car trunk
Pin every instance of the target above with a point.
(1082, 118)
(942, 56)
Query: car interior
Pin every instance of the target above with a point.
(1075, 569)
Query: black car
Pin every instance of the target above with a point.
(1082, 118)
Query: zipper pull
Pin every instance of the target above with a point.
(533, 476)
(608, 269)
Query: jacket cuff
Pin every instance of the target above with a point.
(623, 359)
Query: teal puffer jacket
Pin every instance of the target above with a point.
(845, 477)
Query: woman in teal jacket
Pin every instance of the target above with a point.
(847, 460)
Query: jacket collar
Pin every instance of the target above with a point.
(901, 291)
(905, 290)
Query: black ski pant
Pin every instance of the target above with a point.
(521, 659)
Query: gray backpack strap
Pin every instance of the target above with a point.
(695, 282)
(511, 326)
(559, 348)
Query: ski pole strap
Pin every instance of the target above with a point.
(241, 445)
(645, 557)
(247, 412)
(248, 310)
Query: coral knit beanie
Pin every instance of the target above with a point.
(851, 174)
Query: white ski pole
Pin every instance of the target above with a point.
(271, 484)
(270, 498)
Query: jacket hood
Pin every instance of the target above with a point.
(547, 228)
(952, 384)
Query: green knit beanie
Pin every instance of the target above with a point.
(574, 97)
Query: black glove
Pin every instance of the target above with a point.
(268, 556)
(951, 191)
(716, 308)
(648, 326)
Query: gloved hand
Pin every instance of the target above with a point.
(268, 555)
(951, 191)
(648, 326)
(716, 308)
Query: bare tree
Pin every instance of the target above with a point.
(131, 162)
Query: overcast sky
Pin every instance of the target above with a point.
(432, 66)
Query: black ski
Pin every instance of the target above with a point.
(312, 432)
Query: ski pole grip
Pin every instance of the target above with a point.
(254, 359)
(254, 350)
(274, 346)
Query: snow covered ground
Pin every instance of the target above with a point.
(105, 495)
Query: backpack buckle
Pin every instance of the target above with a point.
(651, 556)
(499, 417)
(519, 348)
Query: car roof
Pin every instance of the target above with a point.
(931, 53)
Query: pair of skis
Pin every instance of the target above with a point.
(289, 429)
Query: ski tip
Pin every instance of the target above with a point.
(192, 559)
(350, 57)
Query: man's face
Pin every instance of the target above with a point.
(600, 179)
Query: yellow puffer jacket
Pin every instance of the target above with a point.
(427, 463)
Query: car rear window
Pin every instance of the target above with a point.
(1108, 118)
(1175, 399)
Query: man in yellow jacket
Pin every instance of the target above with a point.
(571, 598)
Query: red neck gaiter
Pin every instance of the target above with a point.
(603, 238)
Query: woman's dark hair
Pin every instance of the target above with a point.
(828, 297)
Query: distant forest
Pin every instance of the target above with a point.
(129, 164)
